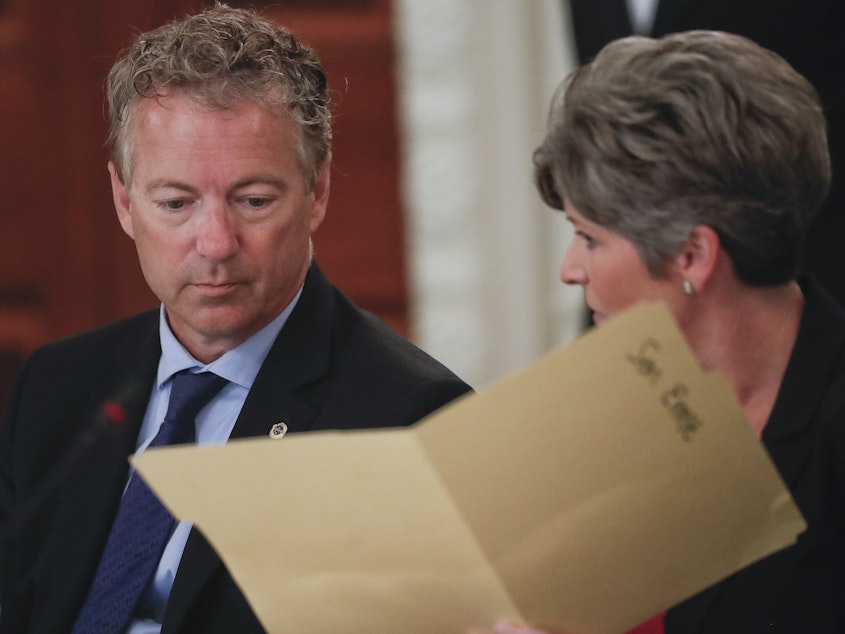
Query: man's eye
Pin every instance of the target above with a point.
(255, 201)
(172, 205)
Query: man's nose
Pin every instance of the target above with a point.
(217, 237)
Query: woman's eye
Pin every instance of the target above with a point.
(589, 241)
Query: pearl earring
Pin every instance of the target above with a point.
(688, 289)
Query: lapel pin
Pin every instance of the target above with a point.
(278, 430)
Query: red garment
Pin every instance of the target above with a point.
(653, 626)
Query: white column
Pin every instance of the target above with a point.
(475, 80)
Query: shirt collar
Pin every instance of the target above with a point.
(239, 365)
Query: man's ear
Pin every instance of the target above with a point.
(699, 256)
(120, 195)
(321, 194)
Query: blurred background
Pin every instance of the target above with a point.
(433, 222)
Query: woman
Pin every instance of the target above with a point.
(690, 167)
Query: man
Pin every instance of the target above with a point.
(220, 161)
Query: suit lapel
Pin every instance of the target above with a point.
(289, 388)
(94, 485)
(299, 358)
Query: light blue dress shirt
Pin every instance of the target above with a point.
(214, 424)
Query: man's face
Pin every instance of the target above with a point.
(220, 216)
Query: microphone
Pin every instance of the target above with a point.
(110, 417)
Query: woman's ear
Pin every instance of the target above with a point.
(699, 257)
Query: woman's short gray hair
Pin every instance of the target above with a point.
(657, 136)
(221, 56)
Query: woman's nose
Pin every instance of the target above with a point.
(571, 269)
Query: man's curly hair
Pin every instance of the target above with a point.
(221, 56)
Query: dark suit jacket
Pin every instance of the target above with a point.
(800, 589)
(332, 366)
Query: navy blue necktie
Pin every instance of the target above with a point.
(143, 525)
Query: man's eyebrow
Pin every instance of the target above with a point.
(167, 184)
(261, 179)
